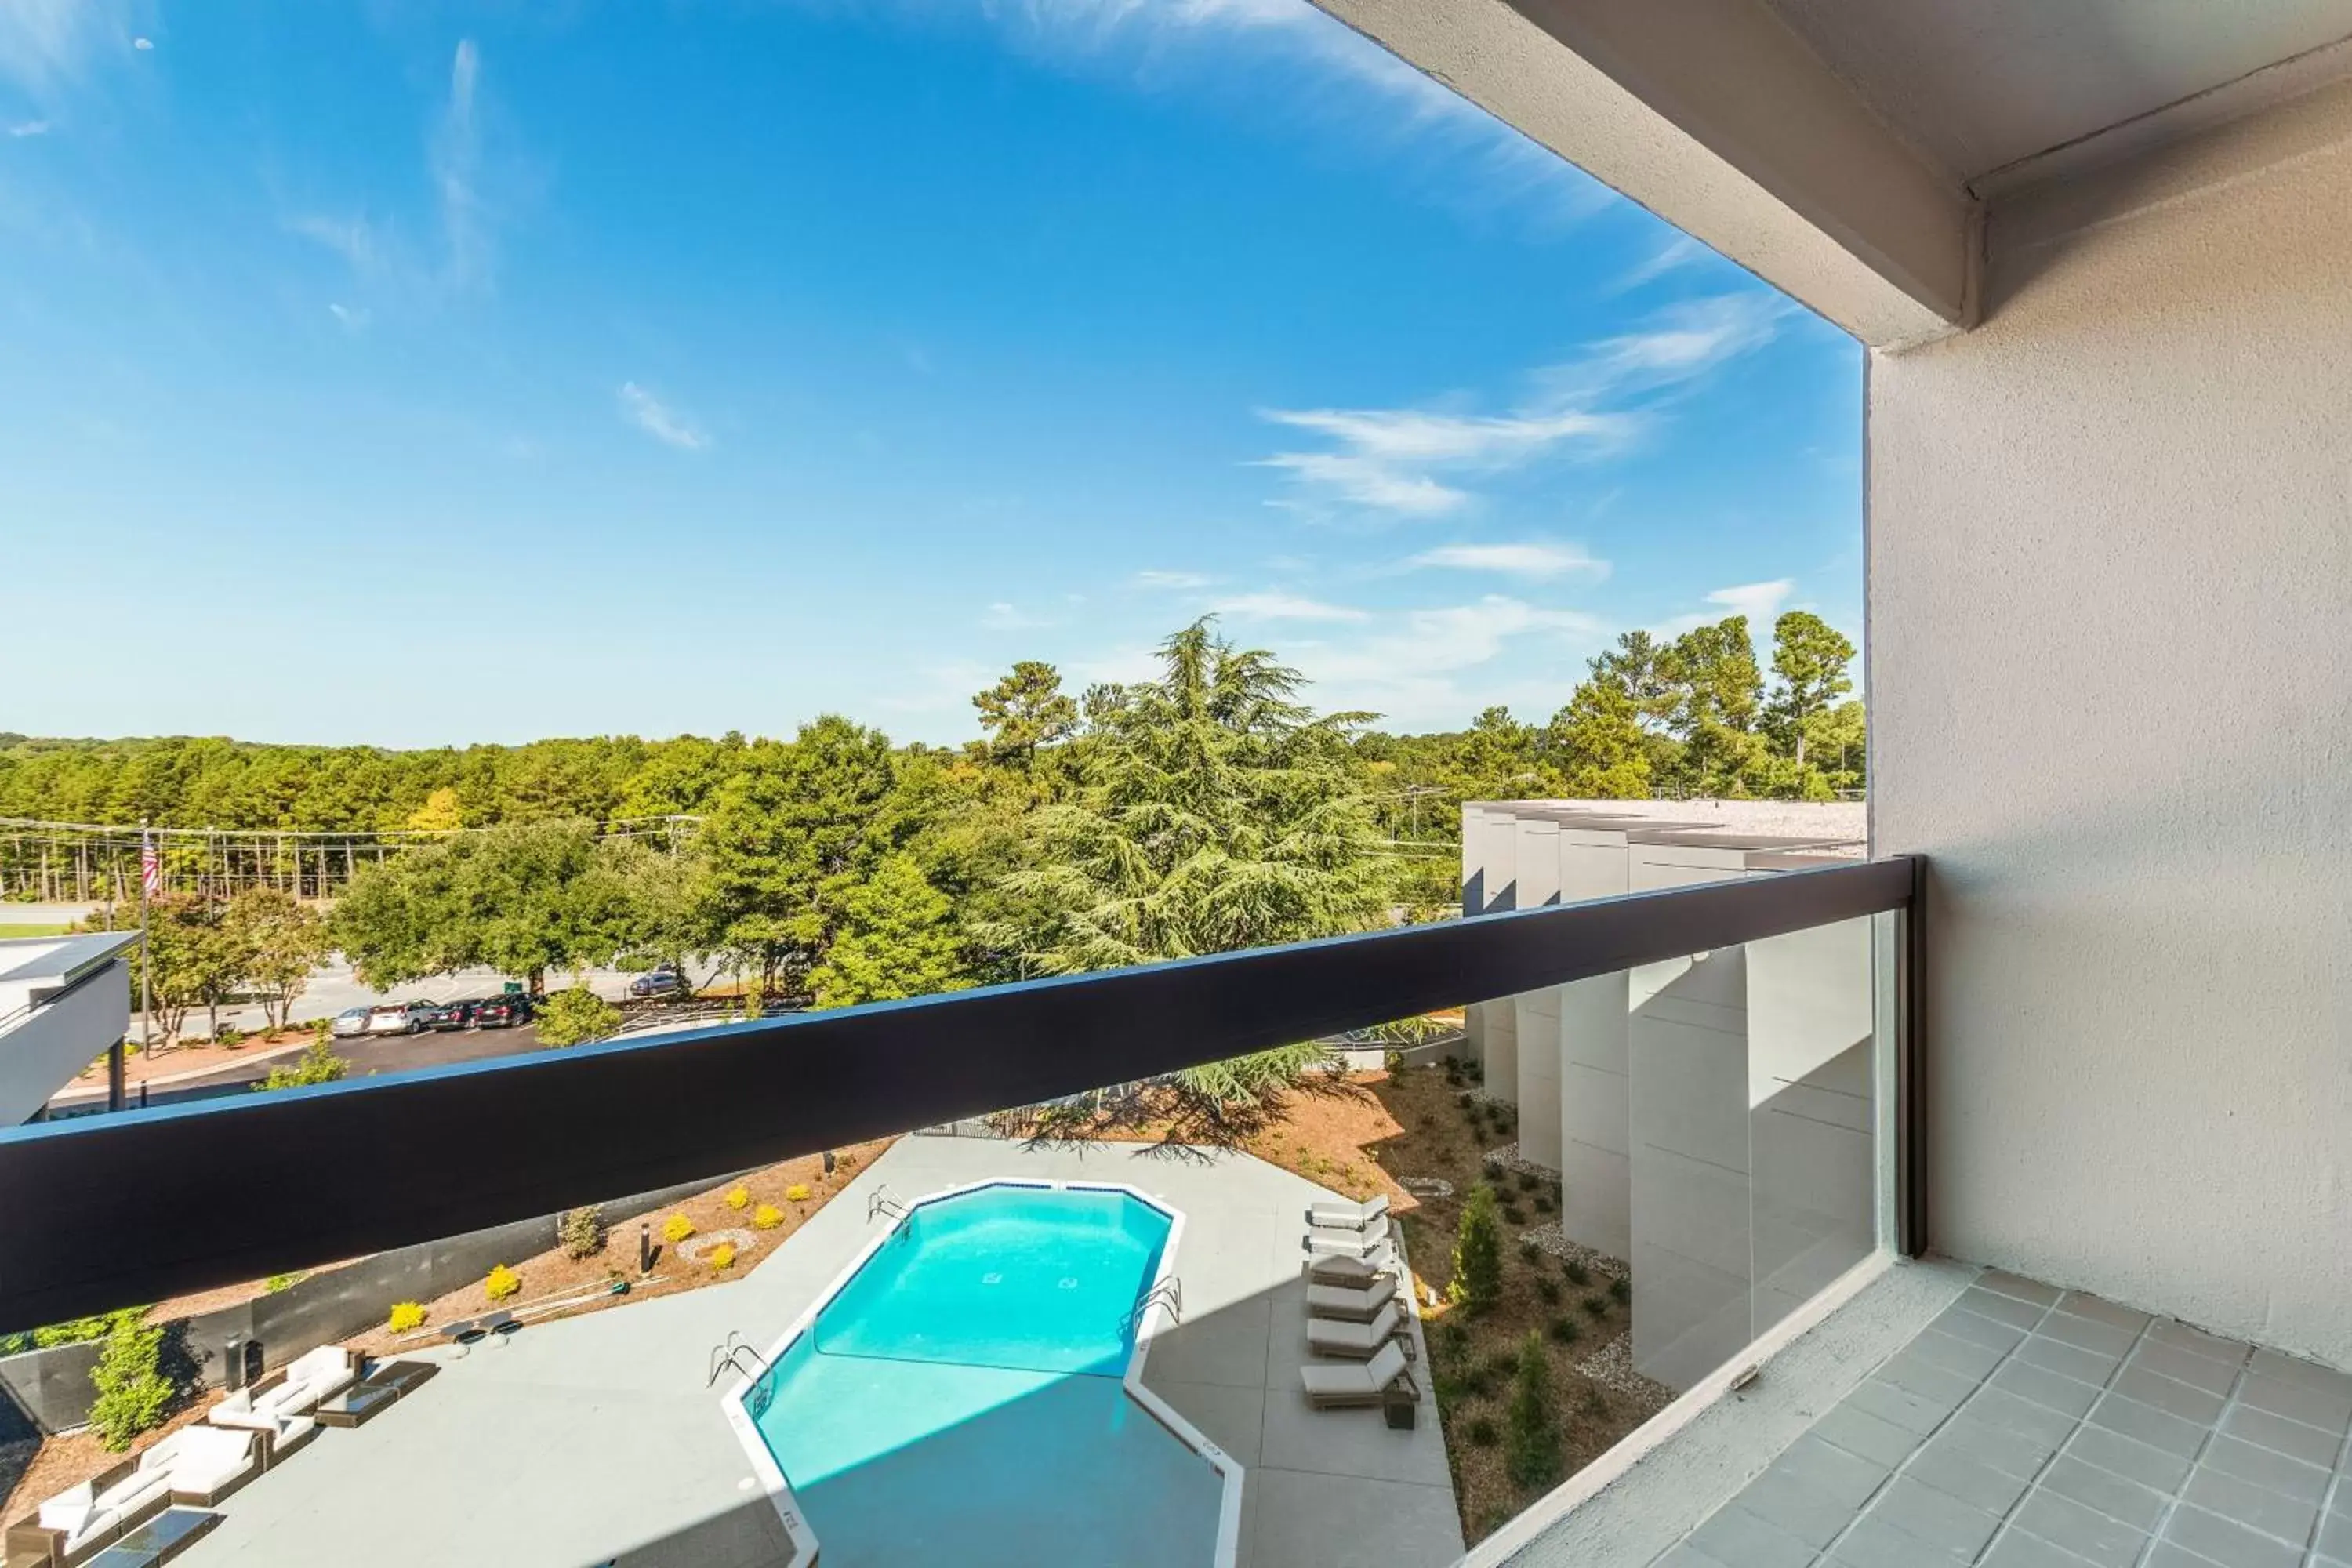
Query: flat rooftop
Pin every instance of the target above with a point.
(1840, 828)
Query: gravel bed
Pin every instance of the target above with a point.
(1548, 1238)
(1508, 1156)
(1611, 1367)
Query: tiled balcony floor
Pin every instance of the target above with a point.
(2027, 1427)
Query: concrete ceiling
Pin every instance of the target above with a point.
(1975, 85)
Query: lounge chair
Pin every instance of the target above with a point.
(1357, 1342)
(1356, 1304)
(80, 1520)
(204, 1463)
(1340, 1387)
(251, 1410)
(314, 1376)
(1338, 1269)
(1352, 1243)
(1347, 1216)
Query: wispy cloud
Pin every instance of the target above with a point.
(1277, 605)
(1410, 462)
(1759, 601)
(456, 159)
(1003, 617)
(31, 128)
(48, 46)
(353, 238)
(1172, 581)
(1535, 558)
(354, 318)
(658, 419)
(1676, 253)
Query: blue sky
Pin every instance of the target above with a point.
(417, 373)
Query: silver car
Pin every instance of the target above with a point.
(397, 1017)
(351, 1021)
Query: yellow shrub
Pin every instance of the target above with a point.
(407, 1315)
(676, 1229)
(740, 1199)
(767, 1217)
(502, 1283)
(723, 1255)
(797, 1193)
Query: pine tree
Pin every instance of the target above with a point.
(1478, 1282)
(898, 939)
(1531, 1430)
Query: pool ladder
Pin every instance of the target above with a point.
(730, 1353)
(1168, 1293)
(883, 1201)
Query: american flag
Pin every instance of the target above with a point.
(150, 865)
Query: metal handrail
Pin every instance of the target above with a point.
(550, 1130)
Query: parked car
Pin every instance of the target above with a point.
(397, 1017)
(502, 1011)
(351, 1021)
(449, 1016)
(662, 982)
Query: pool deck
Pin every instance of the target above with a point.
(596, 1440)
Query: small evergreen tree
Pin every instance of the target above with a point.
(898, 939)
(133, 1392)
(1531, 1450)
(1478, 1282)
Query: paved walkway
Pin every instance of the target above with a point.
(596, 1440)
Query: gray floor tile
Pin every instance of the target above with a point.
(1938, 1384)
(1999, 1408)
(1891, 1403)
(1936, 1518)
(2185, 1366)
(1791, 1506)
(1874, 1544)
(2228, 1543)
(2001, 1309)
(1990, 1333)
(2157, 1468)
(1966, 1357)
(2293, 1438)
(2164, 1331)
(2307, 1374)
(2257, 1508)
(1859, 1432)
(1832, 1472)
(2045, 1388)
(2248, 1462)
(2002, 1449)
(1973, 1482)
(2335, 1536)
(2076, 1304)
(2021, 1289)
(2067, 1361)
(2118, 1498)
(2084, 1531)
(2091, 1335)
(2015, 1549)
(1686, 1555)
(2320, 1407)
(1737, 1538)
(2175, 1398)
(2149, 1425)
(2164, 1554)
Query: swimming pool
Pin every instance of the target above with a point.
(971, 1393)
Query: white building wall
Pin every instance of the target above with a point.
(2110, 582)
(1595, 1110)
(43, 1049)
(1499, 1051)
(1537, 1012)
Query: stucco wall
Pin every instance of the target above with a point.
(2111, 683)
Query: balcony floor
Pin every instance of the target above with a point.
(2022, 1426)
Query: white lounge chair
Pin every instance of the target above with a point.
(76, 1522)
(1352, 1243)
(280, 1435)
(311, 1376)
(1347, 1216)
(1339, 1387)
(1357, 1342)
(1339, 1268)
(1359, 1304)
(202, 1463)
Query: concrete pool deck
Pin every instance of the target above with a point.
(597, 1440)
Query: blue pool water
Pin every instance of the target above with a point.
(959, 1399)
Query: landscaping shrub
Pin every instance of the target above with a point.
(1550, 1291)
(1453, 1340)
(1494, 1169)
(721, 1257)
(278, 1282)
(1530, 1253)
(133, 1392)
(230, 1036)
(323, 1031)
(1514, 1214)
(740, 1199)
(1596, 1307)
(1481, 1431)
(1478, 1282)
(767, 1217)
(1543, 1203)
(1621, 1289)
(797, 1193)
(1596, 1403)
(1567, 1330)
(502, 1283)
(1577, 1274)
(1532, 1456)
(575, 1015)
(676, 1229)
(317, 1064)
(1526, 1181)
(582, 1231)
(405, 1315)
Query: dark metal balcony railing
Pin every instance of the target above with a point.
(150, 1204)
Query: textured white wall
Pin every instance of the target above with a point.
(2111, 682)
(40, 1051)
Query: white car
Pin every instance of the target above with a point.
(397, 1017)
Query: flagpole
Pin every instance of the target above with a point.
(146, 947)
